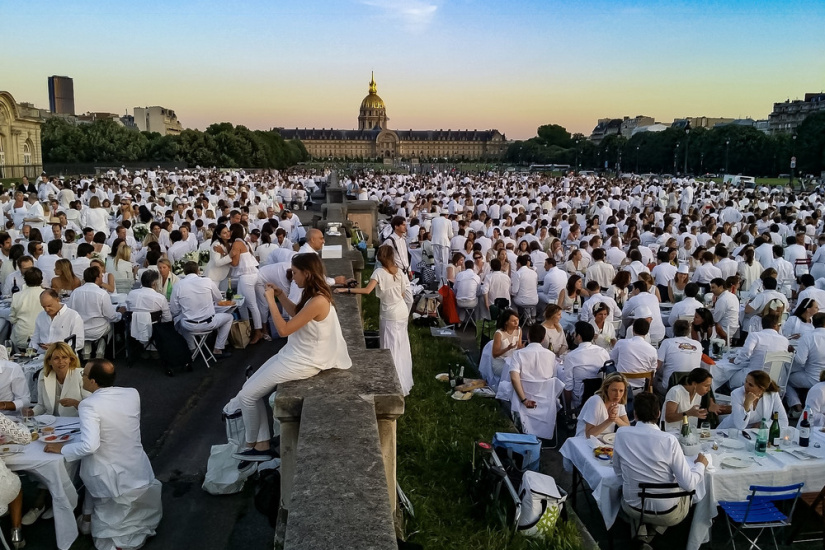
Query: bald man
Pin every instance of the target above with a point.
(315, 243)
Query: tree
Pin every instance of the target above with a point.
(553, 134)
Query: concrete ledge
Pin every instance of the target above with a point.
(340, 497)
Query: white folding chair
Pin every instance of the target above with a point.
(201, 348)
(778, 365)
(540, 421)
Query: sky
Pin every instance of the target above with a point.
(511, 65)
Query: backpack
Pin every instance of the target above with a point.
(268, 493)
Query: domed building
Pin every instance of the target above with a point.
(374, 140)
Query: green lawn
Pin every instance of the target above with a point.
(436, 436)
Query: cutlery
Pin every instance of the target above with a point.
(746, 435)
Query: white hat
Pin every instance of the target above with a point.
(642, 313)
(683, 268)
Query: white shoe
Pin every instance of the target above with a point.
(85, 527)
(33, 515)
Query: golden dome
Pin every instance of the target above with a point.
(373, 101)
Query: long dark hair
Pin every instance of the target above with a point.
(216, 234)
(315, 284)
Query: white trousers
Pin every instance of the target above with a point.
(273, 372)
(246, 287)
(220, 321)
(441, 256)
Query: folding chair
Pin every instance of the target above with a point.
(778, 365)
(759, 511)
(541, 420)
(201, 347)
(469, 316)
(654, 491)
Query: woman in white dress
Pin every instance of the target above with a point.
(393, 289)
(605, 410)
(124, 270)
(96, 216)
(554, 337)
(219, 259)
(757, 399)
(799, 323)
(245, 271)
(315, 343)
(603, 325)
(11, 498)
(506, 340)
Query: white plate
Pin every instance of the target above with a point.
(57, 438)
(731, 444)
(11, 449)
(735, 462)
(45, 419)
(608, 438)
(443, 377)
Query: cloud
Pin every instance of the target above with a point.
(415, 15)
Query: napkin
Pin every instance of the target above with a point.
(710, 467)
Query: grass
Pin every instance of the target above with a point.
(436, 436)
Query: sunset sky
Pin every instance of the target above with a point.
(470, 64)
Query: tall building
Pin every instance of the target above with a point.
(61, 95)
(374, 139)
(20, 152)
(788, 115)
(157, 119)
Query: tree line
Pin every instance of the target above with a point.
(220, 144)
(726, 149)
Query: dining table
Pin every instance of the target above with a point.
(733, 469)
(54, 471)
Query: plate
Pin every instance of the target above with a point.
(608, 438)
(11, 449)
(461, 396)
(732, 444)
(56, 438)
(45, 419)
(735, 462)
(443, 377)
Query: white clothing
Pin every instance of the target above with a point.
(48, 397)
(726, 312)
(13, 385)
(66, 323)
(739, 418)
(681, 396)
(25, 306)
(149, 300)
(645, 299)
(816, 402)
(634, 355)
(524, 287)
(682, 308)
(679, 354)
(594, 412)
(601, 272)
(580, 364)
(95, 307)
(9, 482)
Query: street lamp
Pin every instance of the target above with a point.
(576, 166)
(687, 143)
(702, 162)
(793, 159)
(637, 159)
(727, 150)
(675, 156)
(619, 164)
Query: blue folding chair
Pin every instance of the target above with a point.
(759, 511)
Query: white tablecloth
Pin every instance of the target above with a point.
(777, 468)
(51, 469)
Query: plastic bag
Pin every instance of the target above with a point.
(222, 474)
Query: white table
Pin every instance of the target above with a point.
(777, 468)
(53, 471)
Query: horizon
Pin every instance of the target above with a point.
(510, 67)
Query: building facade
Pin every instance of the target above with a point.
(61, 95)
(374, 139)
(787, 116)
(20, 152)
(157, 119)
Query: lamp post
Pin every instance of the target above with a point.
(637, 159)
(576, 165)
(619, 164)
(793, 159)
(702, 162)
(675, 156)
(687, 143)
(598, 160)
(727, 151)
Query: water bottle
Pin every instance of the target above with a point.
(761, 446)
(804, 430)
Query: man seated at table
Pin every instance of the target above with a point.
(14, 389)
(764, 302)
(725, 310)
(678, 354)
(752, 354)
(24, 263)
(645, 454)
(684, 308)
(635, 355)
(193, 307)
(56, 323)
(532, 362)
(124, 507)
(147, 298)
(582, 363)
(95, 308)
(808, 365)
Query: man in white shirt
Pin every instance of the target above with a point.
(124, 495)
(532, 363)
(678, 354)
(46, 262)
(467, 287)
(7, 264)
(635, 355)
(497, 283)
(596, 298)
(554, 282)
(56, 323)
(35, 216)
(399, 244)
(582, 363)
(14, 389)
(192, 305)
(751, 355)
(179, 247)
(809, 362)
(706, 272)
(725, 310)
(808, 289)
(645, 454)
(642, 298)
(95, 308)
(685, 307)
(524, 286)
(146, 298)
(441, 232)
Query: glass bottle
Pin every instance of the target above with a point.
(761, 446)
(775, 433)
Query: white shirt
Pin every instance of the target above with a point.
(740, 418)
(705, 273)
(580, 364)
(534, 362)
(681, 396)
(586, 314)
(177, 251)
(601, 272)
(816, 402)
(13, 385)
(467, 286)
(497, 284)
(645, 454)
(594, 412)
(95, 308)
(688, 306)
(524, 287)
(148, 299)
(648, 300)
(66, 323)
(554, 282)
(634, 355)
(810, 354)
(765, 340)
(679, 354)
(193, 298)
(726, 312)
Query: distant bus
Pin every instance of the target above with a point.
(746, 182)
(549, 167)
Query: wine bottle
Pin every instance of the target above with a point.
(460, 380)
(685, 426)
(452, 377)
(761, 446)
(229, 293)
(804, 430)
(774, 434)
(15, 288)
